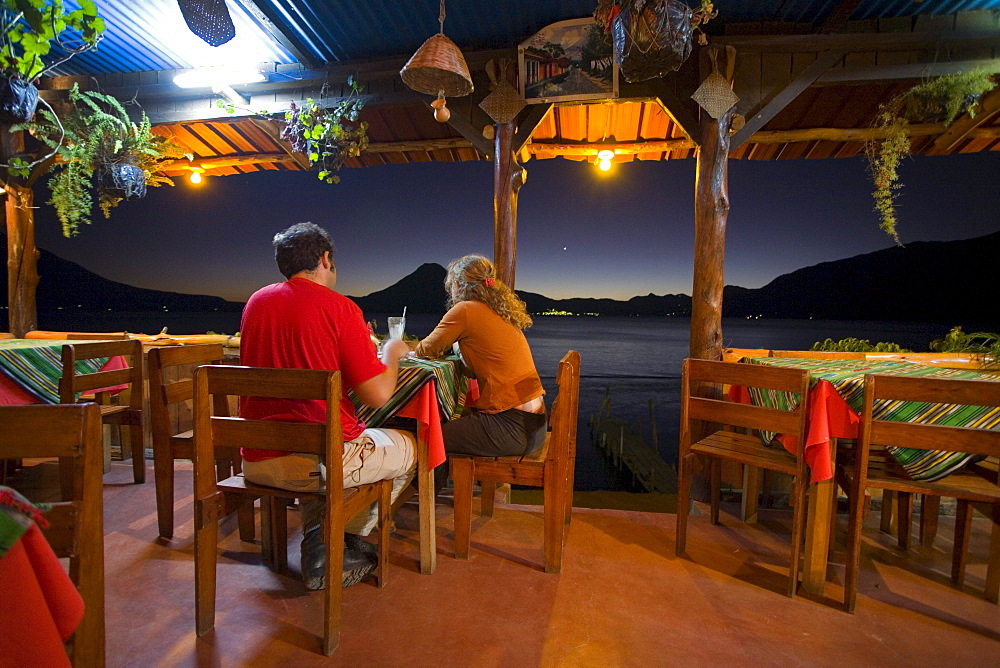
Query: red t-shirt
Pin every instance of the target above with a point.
(300, 324)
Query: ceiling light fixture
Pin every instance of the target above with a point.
(604, 159)
(205, 77)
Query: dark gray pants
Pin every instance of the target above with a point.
(512, 432)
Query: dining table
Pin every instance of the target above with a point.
(430, 391)
(30, 370)
(836, 394)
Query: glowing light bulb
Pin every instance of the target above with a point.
(195, 177)
(605, 165)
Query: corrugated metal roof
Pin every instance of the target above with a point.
(148, 35)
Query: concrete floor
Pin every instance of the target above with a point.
(622, 599)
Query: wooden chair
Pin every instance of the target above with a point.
(818, 354)
(697, 412)
(326, 439)
(168, 388)
(975, 484)
(72, 433)
(74, 384)
(550, 467)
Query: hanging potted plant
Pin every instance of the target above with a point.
(939, 100)
(34, 32)
(328, 135)
(102, 139)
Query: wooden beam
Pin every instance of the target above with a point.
(876, 41)
(962, 128)
(536, 114)
(231, 161)
(466, 129)
(782, 99)
(839, 16)
(421, 145)
(620, 148)
(840, 76)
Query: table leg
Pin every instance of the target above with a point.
(428, 532)
(819, 517)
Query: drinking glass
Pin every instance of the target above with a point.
(397, 326)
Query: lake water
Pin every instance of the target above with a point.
(639, 359)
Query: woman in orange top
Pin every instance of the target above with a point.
(486, 319)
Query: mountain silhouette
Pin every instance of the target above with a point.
(925, 281)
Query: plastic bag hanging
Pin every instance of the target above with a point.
(209, 20)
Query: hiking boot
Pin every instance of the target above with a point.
(355, 542)
(358, 564)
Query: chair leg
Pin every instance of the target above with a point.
(334, 521)
(930, 508)
(683, 502)
(570, 480)
(384, 524)
(960, 551)
(553, 491)
(888, 511)
(206, 544)
(854, 525)
(715, 481)
(751, 493)
(905, 519)
(461, 474)
(137, 445)
(244, 516)
(798, 528)
(274, 533)
(163, 479)
(993, 565)
(488, 490)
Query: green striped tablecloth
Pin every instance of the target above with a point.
(36, 366)
(847, 377)
(451, 387)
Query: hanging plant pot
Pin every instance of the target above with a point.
(651, 38)
(121, 180)
(18, 100)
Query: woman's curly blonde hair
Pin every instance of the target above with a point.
(474, 278)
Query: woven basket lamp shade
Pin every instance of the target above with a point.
(438, 68)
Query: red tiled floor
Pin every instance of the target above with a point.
(622, 599)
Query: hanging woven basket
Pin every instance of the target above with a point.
(18, 100)
(438, 66)
(122, 180)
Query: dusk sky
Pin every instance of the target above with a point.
(581, 232)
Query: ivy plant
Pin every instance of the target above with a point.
(939, 100)
(31, 28)
(97, 131)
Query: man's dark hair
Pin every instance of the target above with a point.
(300, 247)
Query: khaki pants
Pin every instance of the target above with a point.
(377, 454)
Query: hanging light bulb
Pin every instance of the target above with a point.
(604, 159)
(195, 176)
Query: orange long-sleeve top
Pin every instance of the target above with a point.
(495, 351)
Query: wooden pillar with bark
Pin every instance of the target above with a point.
(22, 256)
(508, 177)
(711, 211)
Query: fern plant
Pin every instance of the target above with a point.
(96, 132)
(938, 100)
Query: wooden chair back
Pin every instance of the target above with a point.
(75, 386)
(212, 432)
(736, 354)
(979, 486)
(171, 439)
(819, 354)
(551, 468)
(791, 421)
(76, 531)
(720, 430)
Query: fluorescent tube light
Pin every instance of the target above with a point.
(205, 77)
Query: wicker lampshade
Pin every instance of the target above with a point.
(438, 65)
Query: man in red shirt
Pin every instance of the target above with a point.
(303, 323)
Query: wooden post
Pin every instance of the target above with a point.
(22, 257)
(508, 177)
(711, 211)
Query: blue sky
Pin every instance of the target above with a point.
(581, 233)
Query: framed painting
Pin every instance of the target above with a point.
(567, 61)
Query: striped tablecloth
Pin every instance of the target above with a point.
(36, 366)
(847, 378)
(414, 372)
